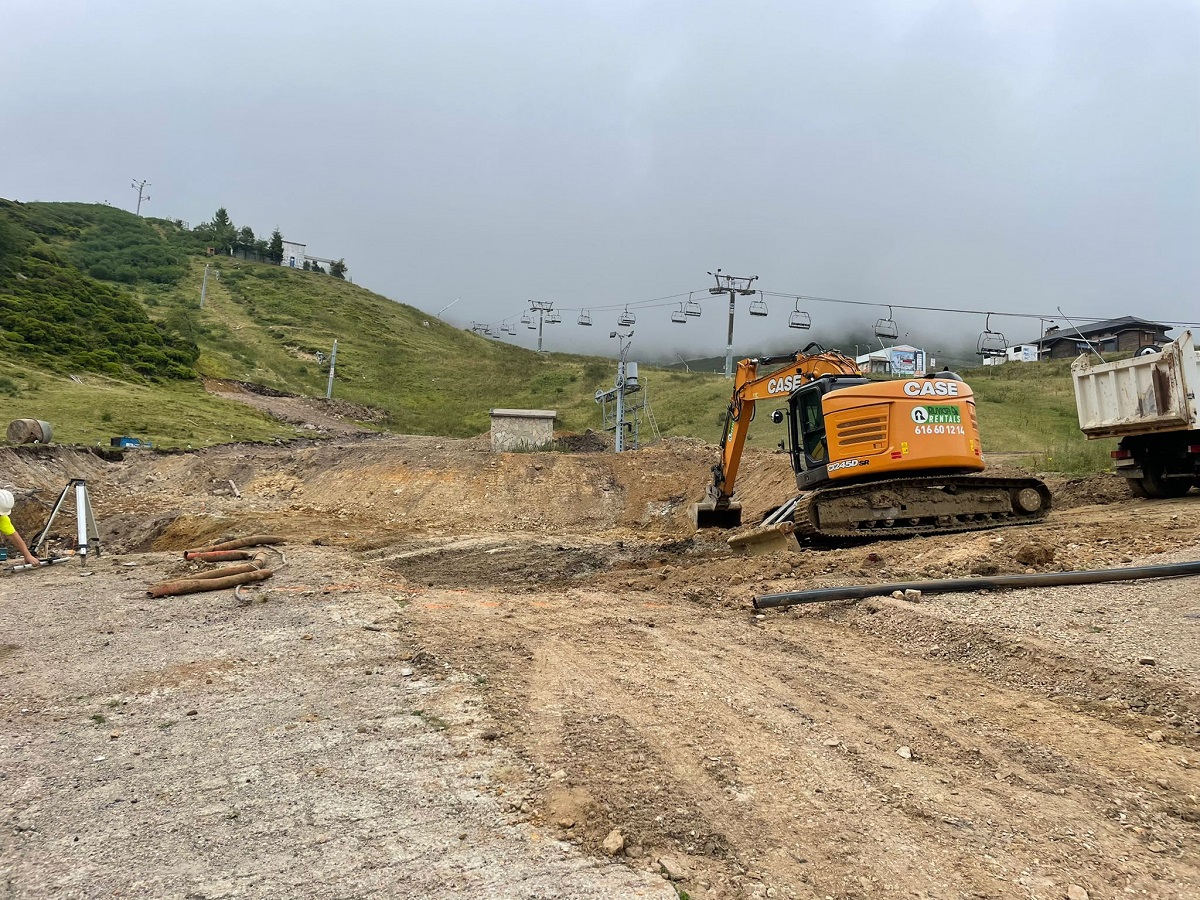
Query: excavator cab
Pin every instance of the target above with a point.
(808, 443)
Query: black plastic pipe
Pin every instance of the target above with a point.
(956, 585)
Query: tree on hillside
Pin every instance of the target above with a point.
(338, 269)
(275, 249)
(245, 239)
(224, 234)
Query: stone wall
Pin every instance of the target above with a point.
(522, 429)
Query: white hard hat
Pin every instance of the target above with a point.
(6, 502)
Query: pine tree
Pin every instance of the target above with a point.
(338, 269)
(275, 248)
(224, 234)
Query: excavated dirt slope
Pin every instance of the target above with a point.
(521, 675)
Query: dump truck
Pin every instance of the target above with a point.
(1149, 402)
(871, 458)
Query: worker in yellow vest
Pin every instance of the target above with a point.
(9, 533)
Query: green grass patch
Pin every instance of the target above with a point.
(97, 408)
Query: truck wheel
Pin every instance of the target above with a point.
(1135, 487)
(1155, 485)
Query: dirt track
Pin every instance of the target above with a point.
(530, 649)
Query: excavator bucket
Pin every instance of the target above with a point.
(710, 514)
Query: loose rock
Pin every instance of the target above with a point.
(673, 868)
(1075, 892)
(905, 753)
(614, 843)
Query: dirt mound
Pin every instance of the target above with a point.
(588, 442)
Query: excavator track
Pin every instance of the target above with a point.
(903, 507)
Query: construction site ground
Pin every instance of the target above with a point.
(522, 675)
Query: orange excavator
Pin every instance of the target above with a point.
(871, 458)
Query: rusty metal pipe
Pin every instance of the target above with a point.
(956, 585)
(197, 585)
(217, 555)
(238, 543)
(227, 570)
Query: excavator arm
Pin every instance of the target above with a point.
(718, 509)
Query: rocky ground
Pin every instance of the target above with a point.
(522, 675)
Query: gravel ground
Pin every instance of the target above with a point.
(1117, 624)
(193, 747)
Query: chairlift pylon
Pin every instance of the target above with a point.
(678, 316)
(758, 307)
(585, 317)
(799, 318)
(886, 329)
(991, 343)
(626, 318)
(691, 307)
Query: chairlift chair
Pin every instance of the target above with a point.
(799, 318)
(886, 329)
(991, 343)
(691, 307)
(758, 307)
(553, 317)
(679, 316)
(626, 318)
(527, 320)
(585, 317)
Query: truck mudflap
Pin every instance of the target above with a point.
(903, 507)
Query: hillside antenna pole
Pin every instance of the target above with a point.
(332, 362)
(141, 187)
(733, 285)
(204, 286)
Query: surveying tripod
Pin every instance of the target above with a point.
(87, 536)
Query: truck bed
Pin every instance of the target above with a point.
(1141, 395)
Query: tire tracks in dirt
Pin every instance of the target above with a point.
(706, 737)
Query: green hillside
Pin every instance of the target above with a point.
(102, 334)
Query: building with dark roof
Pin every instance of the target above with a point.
(1111, 335)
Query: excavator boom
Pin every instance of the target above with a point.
(718, 509)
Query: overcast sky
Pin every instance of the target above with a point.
(1008, 156)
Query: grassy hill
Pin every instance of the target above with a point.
(102, 334)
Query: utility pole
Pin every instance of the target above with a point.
(332, 362)
(733, 285)
(141, 186)
(541, 307)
